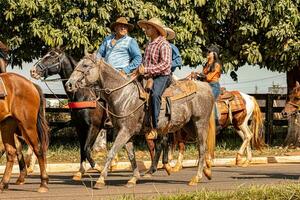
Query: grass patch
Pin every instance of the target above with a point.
(266, 192)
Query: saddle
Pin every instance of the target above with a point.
(177, 90)
(231, 103)
(3, 92)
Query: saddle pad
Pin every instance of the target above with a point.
(82, 104)
(180, 89)
(236, 104)
(3, 92)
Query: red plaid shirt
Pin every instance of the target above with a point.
(158, 57)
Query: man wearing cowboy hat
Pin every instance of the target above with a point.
(176, 58)
(119, 49)
(156, 64)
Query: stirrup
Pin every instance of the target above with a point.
(152, 135)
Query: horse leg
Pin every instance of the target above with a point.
(201, 131)
(82, 135)
(246, 141)
(248, 148)
(122, 138)
(21, 161)
(165, 149)
(29, 130)
(7, 133)
(181, 138)
(31, 160)
(157, 145)
(131, 156)
(91, 137)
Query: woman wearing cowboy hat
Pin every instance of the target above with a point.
(212, 70)
(176, 58)
(157, 62)
(119, 49)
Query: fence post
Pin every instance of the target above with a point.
(269, 118)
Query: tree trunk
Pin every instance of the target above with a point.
(293, 137)
(292, 76)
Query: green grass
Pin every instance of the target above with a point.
(266, 192)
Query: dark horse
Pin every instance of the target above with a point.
(122, 95)
(89, 121)
(24, 106)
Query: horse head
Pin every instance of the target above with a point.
(91, 71)
(85, 74)
(49, 64)
(293, 105)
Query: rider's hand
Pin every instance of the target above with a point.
(141, 69)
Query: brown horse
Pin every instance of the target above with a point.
(193, 112)
(4, 50)
(292, 112)
(23, 113)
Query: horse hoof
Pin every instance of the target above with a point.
(238, 160)
(43, 189)
(168, 169)
(177, 168)
(147, 175)
(131, 183)
(20, 182)
(3, 186)
(246, 164)
(207, 173)
(77, 176)
(194, 181)
(29, 170)
(99, 186)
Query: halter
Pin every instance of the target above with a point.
(45, 69)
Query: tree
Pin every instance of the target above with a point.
(257, 32)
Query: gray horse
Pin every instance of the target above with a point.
(127, 109)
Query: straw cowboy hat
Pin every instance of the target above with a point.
(170, 33)
(154, 22)
(122, 20)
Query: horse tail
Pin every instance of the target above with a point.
(42, 125)
(211, 135)
(257, 127)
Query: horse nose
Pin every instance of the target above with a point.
(70, 86)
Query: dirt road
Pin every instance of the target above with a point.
(224, 178)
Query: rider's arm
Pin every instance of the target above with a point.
(214, 75)
(102, 49)
(135, 57)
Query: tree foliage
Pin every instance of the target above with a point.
(248, 31)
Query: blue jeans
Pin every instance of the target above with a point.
(160, 83)
(215, 86)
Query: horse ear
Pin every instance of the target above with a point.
(297, 84)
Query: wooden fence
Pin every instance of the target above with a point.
(266, 103)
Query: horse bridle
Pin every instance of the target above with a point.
(106, 90)
(45, 69)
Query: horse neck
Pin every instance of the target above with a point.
(67, 67)
(125, 97)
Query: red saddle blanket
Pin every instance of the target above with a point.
(237, 103)
(82, 104)
(3, 92)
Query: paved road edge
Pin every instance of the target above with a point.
(124, 166)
